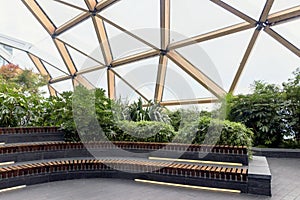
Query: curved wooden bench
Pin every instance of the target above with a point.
(41, 151)
(209, 176)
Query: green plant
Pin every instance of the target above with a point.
(92, 113)
(13, 109)
(22, 80)
(180, 117)
(213, 131)
(142, 131)
(140, 111)
(291, 91)
(263, 112)
(20, 98)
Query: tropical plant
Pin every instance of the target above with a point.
(206, 130)
(92, 113)
(263, 112)
(14, 111)
(140, 111)
(142, 131)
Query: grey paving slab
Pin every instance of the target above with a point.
(285, 186)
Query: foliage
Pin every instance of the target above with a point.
(175, 118)
(26, 81)
(142, 131)
(20, 100)
(261, 111)
(10, 71)
(58, 112)
(13, 109)
(272, 112)
(213, 131)
(92, 113)
(291, 91)
(180, 117)
(140, 111)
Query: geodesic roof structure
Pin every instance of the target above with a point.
(146, 31)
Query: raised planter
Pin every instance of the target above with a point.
(259, 176)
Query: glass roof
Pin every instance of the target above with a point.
(172, 51)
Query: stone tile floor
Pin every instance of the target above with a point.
(285, 186)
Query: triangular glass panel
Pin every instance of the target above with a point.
(194, 17)
(54, 72)
(21, 25)
(5, 53)
(143, 18)
(180, 86)
(141, 75)
(219, 58)
(249, 7)
(290, 31)
(80, 60)
(83, 37)
(98, 78)
(199, 107)
(125, 93)
(22, 59)
(122, 44)
(47, 50)
(57, 12)
(269, 62)
(77, 3)
(63, 86)
(81, 80)
(280, 5)
(8, 42)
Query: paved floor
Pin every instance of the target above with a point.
(285, 186)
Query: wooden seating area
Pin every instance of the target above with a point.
(211, 153)
(209, 176)
(140, 166)
(39, 162)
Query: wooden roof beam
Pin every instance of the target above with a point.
(40, 15)
(195, 73)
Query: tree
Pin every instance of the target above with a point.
(292, 98)
(10, 71)
(20, 98)
(26, 80)
(263, 112)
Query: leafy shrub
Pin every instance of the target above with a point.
(13, 109)
(180, 117)
(263, 111)
(92, 113)
(213, 131)
(140, 111)
(23, 80)
(20, 98)
(271, 111)
(142, 131)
